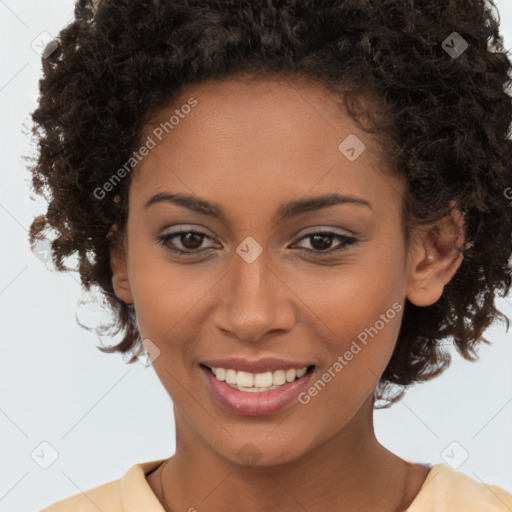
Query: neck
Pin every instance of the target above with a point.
(351, 470)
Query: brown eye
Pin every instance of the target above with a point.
(191, 240)
(322, 241)
(184, 242)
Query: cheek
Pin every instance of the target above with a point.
(362, 336)
(168, 298)
(355, 354)
(358, 314)
(346, 300)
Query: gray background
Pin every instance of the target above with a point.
(102, 415)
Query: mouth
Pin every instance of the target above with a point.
(257, 382)
(272, 385)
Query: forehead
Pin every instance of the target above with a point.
(266, 137)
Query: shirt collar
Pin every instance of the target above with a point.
(136, 494)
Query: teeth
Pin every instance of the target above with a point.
(231, 376)
(263, 380)
(278, 378)
(244, 379)
(255, 390)
(257, 382)
(301, 372)
(290, 375)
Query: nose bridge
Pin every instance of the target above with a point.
(254, 299)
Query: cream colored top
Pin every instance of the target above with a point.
(444, 490)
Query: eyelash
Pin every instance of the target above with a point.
(165, 239)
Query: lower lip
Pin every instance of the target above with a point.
(256, 403)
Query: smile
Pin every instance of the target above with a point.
(257, 382)
(255, 388)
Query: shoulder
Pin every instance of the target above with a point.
(102, 497)
(447, 490)
(129, 493)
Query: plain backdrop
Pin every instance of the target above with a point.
(72, 418)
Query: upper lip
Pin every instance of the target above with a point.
(266, 364)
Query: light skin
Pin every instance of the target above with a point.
(250, 147)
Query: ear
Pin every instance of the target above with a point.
(433, 258)
(119, 267)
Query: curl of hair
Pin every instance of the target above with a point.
(444, 123)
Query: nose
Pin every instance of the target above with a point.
(255, 301)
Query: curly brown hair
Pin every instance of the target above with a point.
(445, 112)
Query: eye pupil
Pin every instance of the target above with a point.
(187, 236)
(316, 238)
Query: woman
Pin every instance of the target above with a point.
(289, 205)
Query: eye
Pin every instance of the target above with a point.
(322, 240)
(189, 240)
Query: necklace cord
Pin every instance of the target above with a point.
(164, 504)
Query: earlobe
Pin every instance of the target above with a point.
(119, 267)
(434, 260)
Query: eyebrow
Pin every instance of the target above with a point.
(287, 210)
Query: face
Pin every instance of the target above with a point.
(248, 272)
